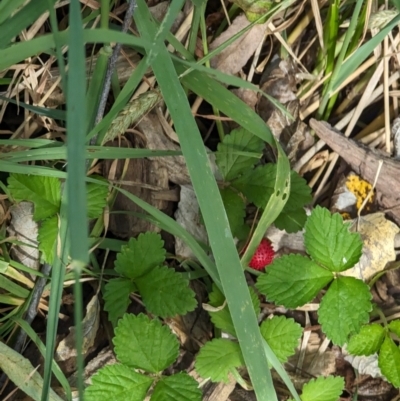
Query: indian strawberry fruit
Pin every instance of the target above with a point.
(263, 255)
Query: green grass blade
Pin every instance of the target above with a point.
(173, 9)
(227, 102)
(76, 171)
(222, 244)
(41, 347)
(91, 152)
(41, 111)
(276, 9)
(57, 41)
(322, 111)
(13, 288)
(76, 123)
(7, 7)
(44, 44)
(120, 102)
(21, 20)
(361, 54)
(194, 28)
(96, 85)
(57, 280)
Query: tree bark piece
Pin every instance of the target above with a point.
(365, 162)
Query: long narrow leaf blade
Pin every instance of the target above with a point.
(224, 250)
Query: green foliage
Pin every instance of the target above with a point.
(367, 341)
(344, 308)
(282, 335)
(235, 209)
(374, 338)
(217, 358)
(237, 158)
(222, 318)
(116, 297)
(220, 357)
(47, 236)
(139, 334)
(45, 194)
(323, 389)
(140, 255)
(329, 242)
(140, 265)
(389, 361)
(232, 159)
(165, 292)
(294, 280)
(96, 196)
(118, 382)
(394, 327)
(179, 387)
(145, 344)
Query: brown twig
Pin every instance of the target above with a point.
(365, 162)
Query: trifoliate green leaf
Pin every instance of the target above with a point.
(389, 361)
(344, 309)
(282, 335)
(179, 387)
(323, 389)
(166, 293)
(118, 382)
(217, 358)
(257, 185)
(145, 343)
(96, 199)
(230, 156)
(291, 221)
(47, 237)
(394, 327)
(43, 192)
(235, 209)
(222, 319)
(367, 341)
(293, 280)
(140, 255)
(293, 216)
(300, 193)
(329, 241)
(116, 297)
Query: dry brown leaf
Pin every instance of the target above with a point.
(232, 59)
(188, 216)
(25, 229)
(279, 81)
(377, 234)
(104, 358)
(90, 325)
(153, 131)
(365, 365)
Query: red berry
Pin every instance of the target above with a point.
(263, 256)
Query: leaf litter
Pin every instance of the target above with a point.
(313, 357)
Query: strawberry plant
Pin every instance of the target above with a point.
(294, 280)
(247, 181)
(281, 334)
(45, 194)
(221, 356)
(144, 348)
(140, 266)
(322, 389)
